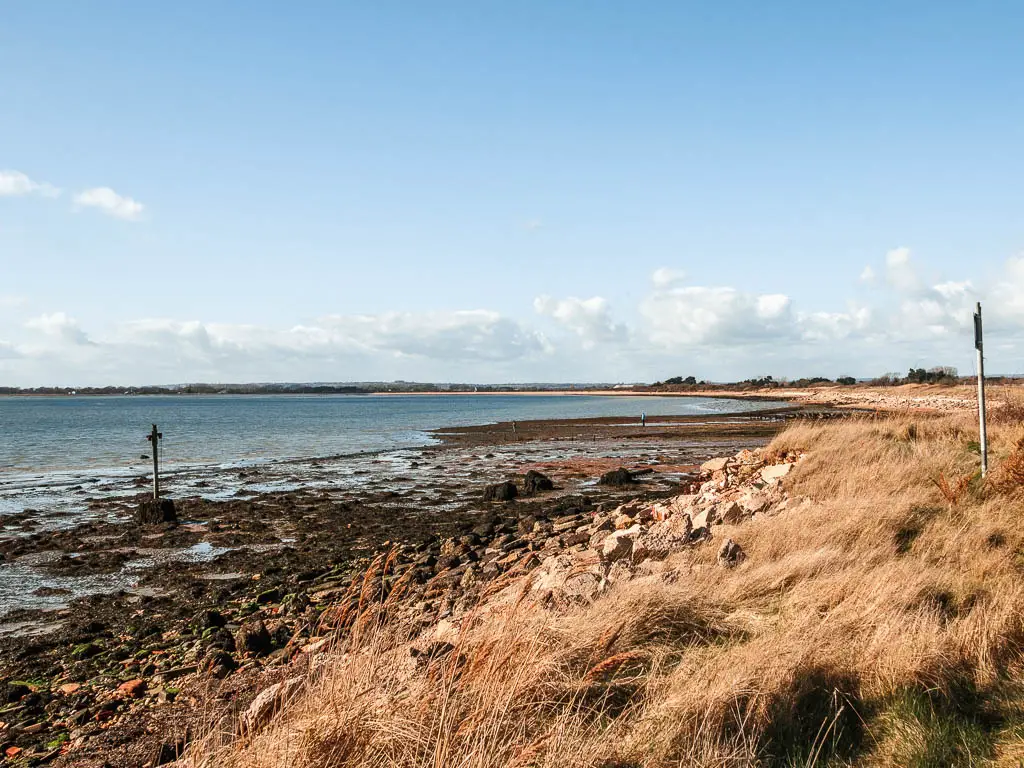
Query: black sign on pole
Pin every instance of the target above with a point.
(982, 431)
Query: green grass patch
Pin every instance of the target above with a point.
(918, 731)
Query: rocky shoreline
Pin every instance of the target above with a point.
(129, 678)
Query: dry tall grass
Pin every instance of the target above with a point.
(875, 622)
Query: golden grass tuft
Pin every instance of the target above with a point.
(871, 624)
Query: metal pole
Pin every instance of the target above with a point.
(154, 437)
(979, 347)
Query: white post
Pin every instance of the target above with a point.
(979, 347)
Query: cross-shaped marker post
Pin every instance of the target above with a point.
(154, 437)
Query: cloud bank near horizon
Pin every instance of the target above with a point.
(713, 332)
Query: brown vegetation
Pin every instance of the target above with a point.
(878, 622)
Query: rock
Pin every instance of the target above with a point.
(219, 663)
(573, 539)
(729, 512)
(624, 521)
(662, 539)
(14, 692)
(267, 702)
(450, 547)
(566, 523)
(155, 511)
(501, 492)
(598, 537)
(564, 579)
(253, 637)
(543, 526)
(270, 596)
(705, 518)
(469, 577)
(86, 651)
(212, 618)
(714, 465)
(753, 502)
(698, 535)
(536, 482)
(775, 472)
(68, 688)
(525, 524)
(132, 689)
(663, 510)
(730, 554)
(620, 476)
(619, 544)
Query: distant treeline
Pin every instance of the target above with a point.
(945, 375)
(682, 383)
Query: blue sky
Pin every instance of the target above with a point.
(506, 191)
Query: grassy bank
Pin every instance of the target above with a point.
(879, 620)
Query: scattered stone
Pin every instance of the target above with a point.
(775, 472)
(729, 512)
(619, 544)
(156, 511)
(15, 692)
(253, 637)
(501, 491)
(536, 482)
(714, 465)
(730, 554)
(624, 521)
(620, 476)
(132, 689)
(267, 702)
(662, 539)
(705, 518)
(598, 537)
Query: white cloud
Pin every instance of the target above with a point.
(111, 203)
(17, 184)
(867, 275)
(715, 332)
(899, 271)
(664, 277)
(533, 225)
(590, 319)
(59, 325)
(691, 315)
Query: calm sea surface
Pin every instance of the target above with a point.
(45, 435)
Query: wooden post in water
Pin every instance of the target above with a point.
(982, 432)
(154, 438)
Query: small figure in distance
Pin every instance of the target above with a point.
(643, 419)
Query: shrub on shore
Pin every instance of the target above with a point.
(879, 622)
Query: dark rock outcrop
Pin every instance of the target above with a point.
(537, 482)
(620, 476)
(156, 511)
(253, 637)
(501, 492)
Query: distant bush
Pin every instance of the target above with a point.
(937, 375)
(846, 380)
